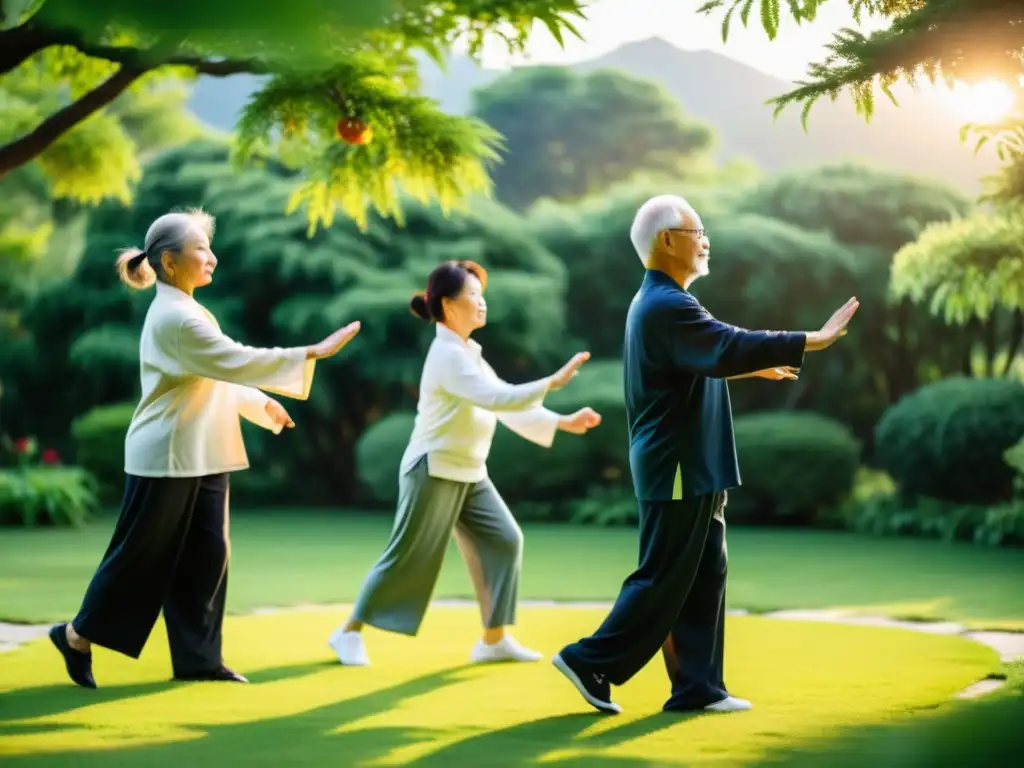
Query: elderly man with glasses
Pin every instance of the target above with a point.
(677, 360)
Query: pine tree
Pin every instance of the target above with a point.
(945, 40)
(341, 102)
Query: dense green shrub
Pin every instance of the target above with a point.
(98, 437)
(379, 456)
(892, 515)
(524, 471)
(35, 496)
(947, 440)
(794, 468)
(606, 506)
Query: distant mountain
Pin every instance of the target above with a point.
(921, 136)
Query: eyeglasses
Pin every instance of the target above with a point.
(698, 232)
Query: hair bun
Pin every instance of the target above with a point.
(418, 305)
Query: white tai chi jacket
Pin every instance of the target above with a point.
(196, 382)
(460, 402)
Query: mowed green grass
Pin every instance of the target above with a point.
(291, 557)
(422, 705)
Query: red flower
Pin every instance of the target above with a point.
(50, 456)
(21, 445)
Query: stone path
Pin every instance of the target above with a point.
(1009, 645)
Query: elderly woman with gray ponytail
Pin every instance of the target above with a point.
(170, 546)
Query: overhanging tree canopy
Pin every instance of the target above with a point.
(935, 39)
(329, 64)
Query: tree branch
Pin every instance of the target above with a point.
(17, 45)
(30, 146)
(221, 68)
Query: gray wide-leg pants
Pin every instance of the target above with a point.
(395, 594)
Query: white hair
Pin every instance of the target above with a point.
(138, 267)
(655, 216)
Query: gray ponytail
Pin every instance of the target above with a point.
(138, 268)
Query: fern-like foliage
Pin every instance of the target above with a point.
(965, 269)
(64, 65)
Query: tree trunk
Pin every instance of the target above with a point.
(968, 348)
(991, 345)
(1016, 338)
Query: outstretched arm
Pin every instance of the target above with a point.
(701, 344)
(464, 377)
(537, 424)
(205, 351)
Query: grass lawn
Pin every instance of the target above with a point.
(286, 557)
(814, 685)
(981, 733)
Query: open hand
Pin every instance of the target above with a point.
(835, 328)
(777, 374)
(334, 343)
(278, 414)
(580, 422)
(564, 374)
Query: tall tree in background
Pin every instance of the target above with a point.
(569, 135)
(336, 69)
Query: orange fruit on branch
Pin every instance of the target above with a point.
(352, 130)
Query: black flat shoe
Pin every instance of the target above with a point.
(222, 674)
(79, 665)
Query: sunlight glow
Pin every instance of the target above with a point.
(984, 102)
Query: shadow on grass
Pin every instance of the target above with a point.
(45, 700)
(312, 736)
(984, 733)
(989, 732)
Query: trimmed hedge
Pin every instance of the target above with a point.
(947, 440)
(794, 468)
(379, 456)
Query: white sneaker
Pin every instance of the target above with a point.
(729, 704)
(506, 649)
(350, 648)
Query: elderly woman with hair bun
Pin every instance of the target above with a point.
(443, 483)
(170, 548)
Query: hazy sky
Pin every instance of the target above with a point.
(611, 23)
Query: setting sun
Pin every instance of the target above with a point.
(985, 101)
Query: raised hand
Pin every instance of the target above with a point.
(334, 343)
(580, 422)
(564, 374)
(835, 328)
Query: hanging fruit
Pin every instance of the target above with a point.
(352, 130)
